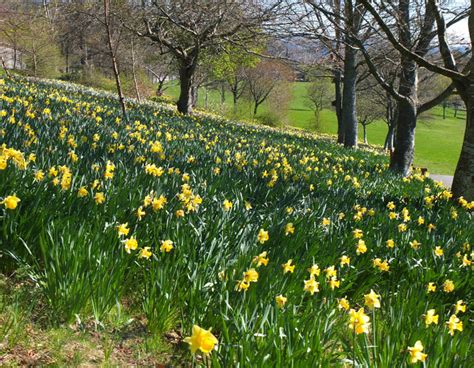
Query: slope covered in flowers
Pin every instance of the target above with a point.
(295, 251)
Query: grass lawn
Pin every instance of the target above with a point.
(438, 141)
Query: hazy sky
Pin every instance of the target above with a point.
(460, 29)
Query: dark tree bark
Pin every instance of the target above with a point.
(390, 119)
(235, 99)
(338, 106)
(463, 181)
(388, 144)
(186, 72)
(349, 116)
(222, 93)
(404, 153)
(338, 76)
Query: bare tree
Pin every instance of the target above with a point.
(263, 79)
(338, 25)
(186, 28)
(368, 111)
(319, 94)
(113, 59)
(462, 79)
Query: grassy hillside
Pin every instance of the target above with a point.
(123, 243)
(438, 140)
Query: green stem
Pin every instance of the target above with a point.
(374, 337)
(354, 347)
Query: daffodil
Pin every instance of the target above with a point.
(415, 244)
(314, 270)
(334, 283)
(431, 317)
(281, 300)
(358, 234)
(416, 353)
(361, 247)
(39, 175)
(345, 261)
(372, 300)
(454, 323)
(448, 286)
(166, 246)
(140, 213)
(311, 286)
(261, 259)
(82, 192)
(251, 275)
(289, 229)
(359, 321)
(11, 202)
(343, 303)
(288, 267)
(262, 236)
(460, 306)
(325, 222)
(145, 253)
(99, 198)
(130, 244)
(431, 288)
(202, 340)
(242, 285)
(382, 265)
(227, 205)
(123, 229)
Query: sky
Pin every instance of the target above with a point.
(460, 29)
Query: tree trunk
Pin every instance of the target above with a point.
(15, 56)
(159, 90)
(186, 72)
(364, 126)
(235, 96)
(222, 93)
(113, 59)
(444, 110)
(317, 119)
(349, 118)
(402, 158)
(338, 106)
(463, 181)
(134, 73)
(390, 116)
(388, 144)
(35, 64)
(194, 96)
(67, 60)
(255, 108)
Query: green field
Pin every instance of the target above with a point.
(438, 141)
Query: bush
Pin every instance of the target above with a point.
(162, 99)
(269, 118)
